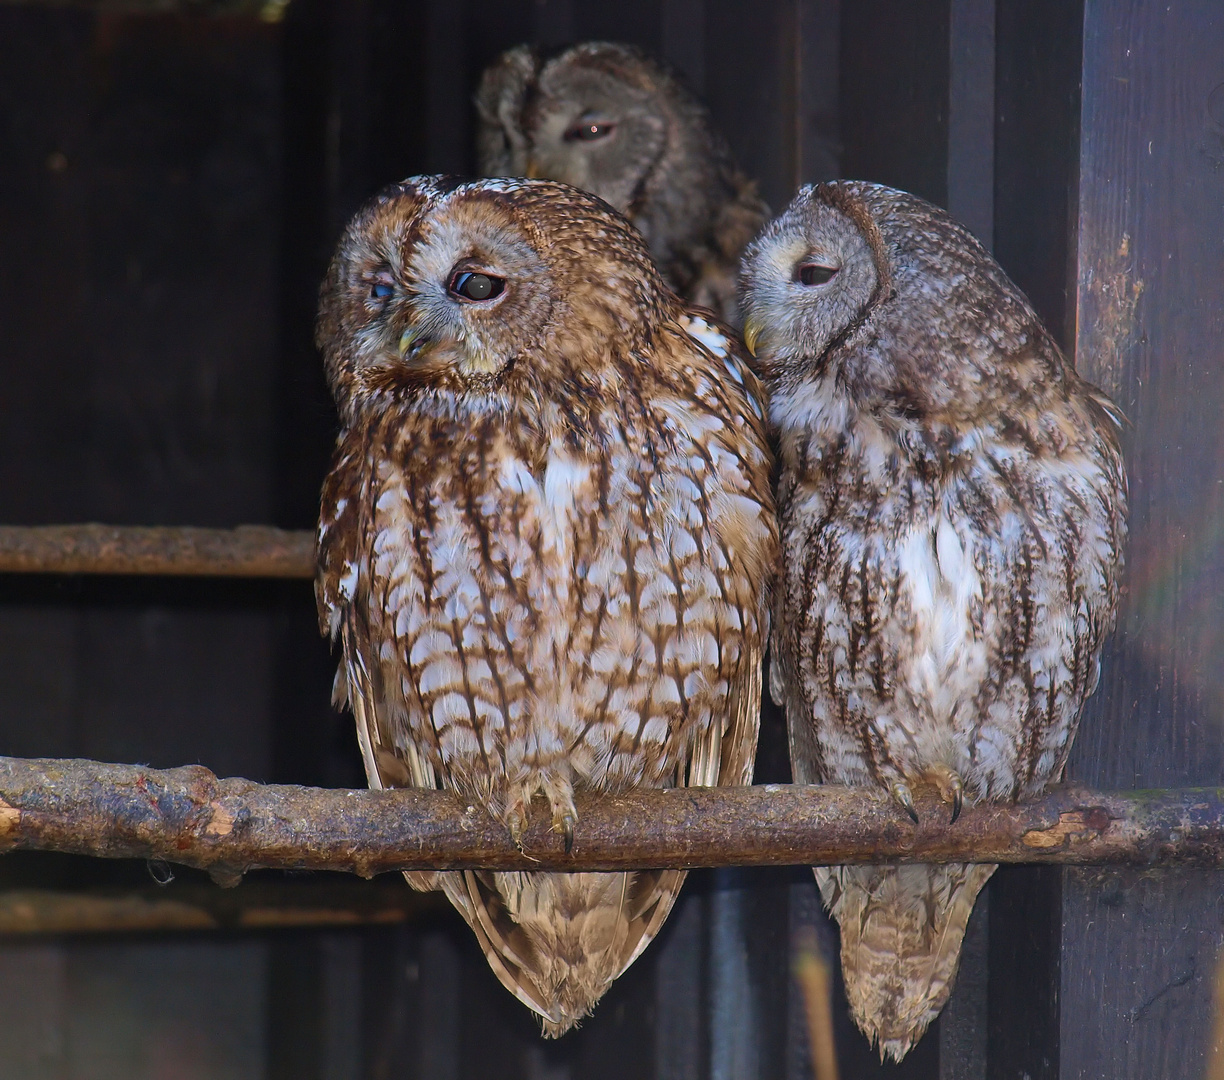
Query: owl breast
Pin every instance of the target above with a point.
(548, 616)
(942, 612)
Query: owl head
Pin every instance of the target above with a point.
(888, 295)
(481, 294)
(607, 119)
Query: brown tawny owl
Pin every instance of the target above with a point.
(605, 118)
(952, 500)
(545, 543)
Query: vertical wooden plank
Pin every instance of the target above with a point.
(818, 152)
(141, 172)
(1038, 60)
(340, 974)
(681, 1031)
(1139, 950)
(971, 79)
(1038, 64)
(751, 76)
(449, 130)
(1135, 951)
(389, 971)
(554, 24)
(682, 40)
(33, 1006)
(964, 1022)
(1023, 984)
(295, 1033)
(440, 1007)
(735, 1009)
(638, 22)
(894, 94)
(1138, 963)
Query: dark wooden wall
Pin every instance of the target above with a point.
(1133, 179)
(171, 184)
(139, 181)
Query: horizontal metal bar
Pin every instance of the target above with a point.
(227, 827)
(247, 551)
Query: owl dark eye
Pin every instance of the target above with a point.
(380, 291)
(815, 274)
(476, 286)
(589, 131)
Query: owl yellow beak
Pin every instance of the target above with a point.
(533, 170)
(752, 333)
(419, 351)
(406, 340)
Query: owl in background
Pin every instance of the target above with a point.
(544, 546)
(607, 119)
(952, 500)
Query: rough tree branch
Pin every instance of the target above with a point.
(188, 816)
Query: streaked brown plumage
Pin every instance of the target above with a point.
(952, 502)
(544, 545)
(609, 120)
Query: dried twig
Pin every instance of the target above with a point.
(188, 816)
(247, 551)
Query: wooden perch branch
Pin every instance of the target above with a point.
(188, 816)
(247, 551)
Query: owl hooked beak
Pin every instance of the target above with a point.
(752, 333)
(417, 350)
(410, 343)
(533, 170)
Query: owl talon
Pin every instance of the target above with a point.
(951, 789)
(567, 830)
(901, 793)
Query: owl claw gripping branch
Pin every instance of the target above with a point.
(544, 546)
(952, 502)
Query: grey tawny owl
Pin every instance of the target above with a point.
(605, 118)
(952, 501)
(545, 543)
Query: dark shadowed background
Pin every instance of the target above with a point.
(173, 176)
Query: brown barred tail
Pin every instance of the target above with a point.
(901, 933)
(558, 941)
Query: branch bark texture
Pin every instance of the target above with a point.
(227, 827)
(247, 551)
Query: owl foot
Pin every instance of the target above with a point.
(951, 790)
(560, 794)
(901, 792)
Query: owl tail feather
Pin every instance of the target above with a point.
(558, 941)
(901, 933)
